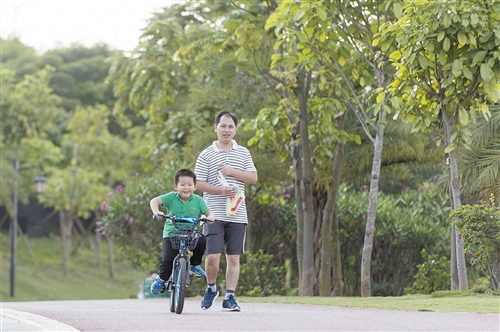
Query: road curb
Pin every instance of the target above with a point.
(13, 320)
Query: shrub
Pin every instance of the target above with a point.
(405, 225)
(433, 275)
(479, 227)
(260, 276)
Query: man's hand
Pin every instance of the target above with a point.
(225, 169)
(229, 192)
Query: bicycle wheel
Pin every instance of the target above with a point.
(180, 282)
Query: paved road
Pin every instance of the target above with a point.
(154, 315)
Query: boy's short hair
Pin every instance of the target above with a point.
(184, 172)
(222, 113)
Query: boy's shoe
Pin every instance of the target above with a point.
(157, 285)
(197, 271)
(230, 304)
(208, 298)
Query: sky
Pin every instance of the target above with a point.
(49, 24)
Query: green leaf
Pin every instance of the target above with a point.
(457, 68)
(462, 38)
(424, 63)
(396, 55)
(440, 36)
(397, 9)
(467, 73)
(478, 57)
(321, 13)
(463, 116)
(446, 44)
(486, 73)
(450, 148)
(381, 97)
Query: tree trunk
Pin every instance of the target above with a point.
(66, 225)
(111, 258)
(449, 124)
(329, 218)
(98, 249)
(300, 220)
(453, 255)
(306, 187)
(338, 280)
(366, 259)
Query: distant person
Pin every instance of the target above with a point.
(233, 162)
(182, 203)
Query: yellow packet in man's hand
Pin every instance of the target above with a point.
(232, 204)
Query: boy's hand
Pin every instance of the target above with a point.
(159, 216)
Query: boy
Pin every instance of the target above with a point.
(182, 203)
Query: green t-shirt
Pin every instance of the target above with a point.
(172, 202)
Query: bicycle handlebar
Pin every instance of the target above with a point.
(194, 221)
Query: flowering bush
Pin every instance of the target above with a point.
(479, 227)
(127, 219)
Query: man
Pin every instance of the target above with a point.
(234, 162)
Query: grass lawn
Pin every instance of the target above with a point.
(40, 279)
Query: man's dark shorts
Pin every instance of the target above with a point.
(225, 237)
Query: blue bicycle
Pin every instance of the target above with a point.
(183, 238)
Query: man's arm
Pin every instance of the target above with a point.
(245, 176)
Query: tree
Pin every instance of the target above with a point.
(336, 39)
(447, 62)
(479, 166)
(28, 110)
(94, 160)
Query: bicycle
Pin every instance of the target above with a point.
(183, 238)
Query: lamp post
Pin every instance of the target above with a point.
(40, 182)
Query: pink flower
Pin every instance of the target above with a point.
(364, 188)
(110, 194)
(294, 236)
(104, 206)
(364, 216)
(130, 220)
(286, 196)
(280, 190)
(106, 225)
(119, 188)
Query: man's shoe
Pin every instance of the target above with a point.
(157, 285)
(230, 304)
(197, 271)
(208, 298)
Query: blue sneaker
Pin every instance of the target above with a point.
(156, 285)
(197, 271)
(230, 304)
(208, 298)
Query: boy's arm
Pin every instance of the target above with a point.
(154, 204)
(210, 216)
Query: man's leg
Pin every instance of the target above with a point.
(232, 271)
(212, 267)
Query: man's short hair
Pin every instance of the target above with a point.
(223, 113)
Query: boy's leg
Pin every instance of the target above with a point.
(168, 258)
(197, 257)
(165, 267)
(199, 250)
